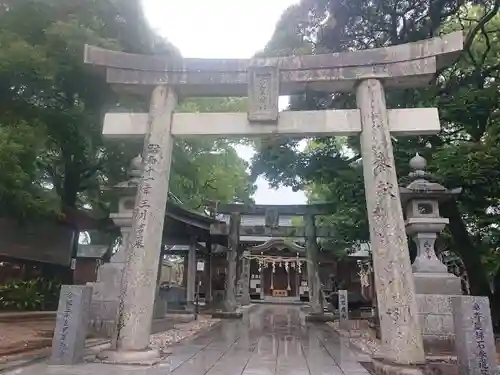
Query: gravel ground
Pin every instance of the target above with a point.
(23, 336)
(30, 338)
(181, 331)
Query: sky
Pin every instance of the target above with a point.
(223, 29)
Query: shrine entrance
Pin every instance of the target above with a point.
(277, 269)
(367, 74)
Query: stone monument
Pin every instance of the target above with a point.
(68, 343)
(366, 73)
(343, 311)
(475, 343)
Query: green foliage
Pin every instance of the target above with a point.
(56, 156)
(466, 152)
(30, 295)
(207, 169)
(19, 191)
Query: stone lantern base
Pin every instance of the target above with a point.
(437, 283)
(105, 299)
(433, 292)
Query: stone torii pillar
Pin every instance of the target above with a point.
(245, 279)
(191, 275)
(315, 298)
(393, 274)
(232, 256)
(143, 248)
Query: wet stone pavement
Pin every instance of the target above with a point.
(272, 339)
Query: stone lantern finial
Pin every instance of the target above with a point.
(418, 163)
(136, 166)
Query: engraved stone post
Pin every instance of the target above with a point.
(312, 265)
(191, 275)
(68, 343)
(143, 249)
(232, 254)
(394, 283)
(245, 278)
(344, 310)
(474, 340)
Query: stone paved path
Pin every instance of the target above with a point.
(270, 340)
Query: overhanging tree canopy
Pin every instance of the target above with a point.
(464, 154)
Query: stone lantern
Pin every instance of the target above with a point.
(106, 289)
(126, 192)
(421, 199)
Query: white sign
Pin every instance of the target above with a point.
(200, 266)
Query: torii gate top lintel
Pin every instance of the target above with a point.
(323, 208)
(404, 65)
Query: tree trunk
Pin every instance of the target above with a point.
(463, 246)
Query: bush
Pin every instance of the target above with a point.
(29, 295)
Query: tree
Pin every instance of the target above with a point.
(208, 169)
(20, 192)
(45, 83)
(45, 86)
(464, 154)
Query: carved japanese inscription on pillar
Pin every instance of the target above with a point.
(263, 94)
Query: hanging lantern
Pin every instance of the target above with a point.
(274, 266)
(286, 266)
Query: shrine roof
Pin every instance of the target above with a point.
(279, 244)
(183, 223)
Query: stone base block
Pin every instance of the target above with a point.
(318, 317)
(227, 315)
(436, 322)
(147, 357)
(105, 299)
(441, 368)
(387, 368)
(437, 283)
(102, 328)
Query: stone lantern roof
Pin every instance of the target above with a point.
(422, 186)
(129, 186)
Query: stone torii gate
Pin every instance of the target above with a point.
(271, 228)
(367, 73)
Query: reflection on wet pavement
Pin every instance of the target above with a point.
(272, 339)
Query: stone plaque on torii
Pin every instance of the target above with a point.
(367, 73)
